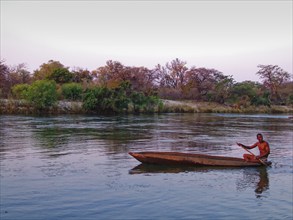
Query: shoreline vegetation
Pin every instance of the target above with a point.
(23, 107)
(118, 89)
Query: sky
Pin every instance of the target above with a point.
(230, 36)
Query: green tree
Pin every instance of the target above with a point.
(46, 69)
(105, 100)
(120, 97)
(248, 88)
(42, 94)
(72, 91)
(90, 101)
(223, 88)
(61, 75)
(250, 93)
(98, 99)
(286, 92)
(262, 99)
(20, 91)
(143, 103)
(245, 92)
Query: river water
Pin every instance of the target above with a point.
(78, 167)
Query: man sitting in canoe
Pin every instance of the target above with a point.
(264, 150)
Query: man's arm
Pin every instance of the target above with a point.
(247, 147)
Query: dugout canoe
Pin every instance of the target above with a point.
(188, 159)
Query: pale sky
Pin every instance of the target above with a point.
(230, 36)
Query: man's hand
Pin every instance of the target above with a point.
(239, 144)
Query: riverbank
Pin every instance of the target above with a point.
(212, 107)
(11, 106)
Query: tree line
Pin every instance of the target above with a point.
(115, 87)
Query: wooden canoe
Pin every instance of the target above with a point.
(188, 159)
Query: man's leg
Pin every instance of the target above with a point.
(248, 157)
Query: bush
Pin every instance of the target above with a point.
(262, 100)
(98, 99)
(20, 91)
(101, 99)
(42, 94)
(120, 99)
(72, 91)
(138, 100)
(290, 99)
(152, 103)
(105, 100)
(90, 100)
(144, 103)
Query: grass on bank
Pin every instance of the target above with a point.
(12, 106)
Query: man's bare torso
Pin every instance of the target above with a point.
(263, 148)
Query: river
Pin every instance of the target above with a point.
(78, 167)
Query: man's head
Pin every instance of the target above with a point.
(259, 137)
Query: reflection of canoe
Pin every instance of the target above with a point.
(144, 168)
(176, 158)
(154, 168)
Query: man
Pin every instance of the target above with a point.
(264, 150)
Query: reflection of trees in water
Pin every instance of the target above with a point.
(254, 178)
(51, 138)
(113, 139)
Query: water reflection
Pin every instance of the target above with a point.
(51, 138)
(150, 168)
(263, 183)
(111, 132)
(256, 178)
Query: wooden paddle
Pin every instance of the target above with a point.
(253, 155)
